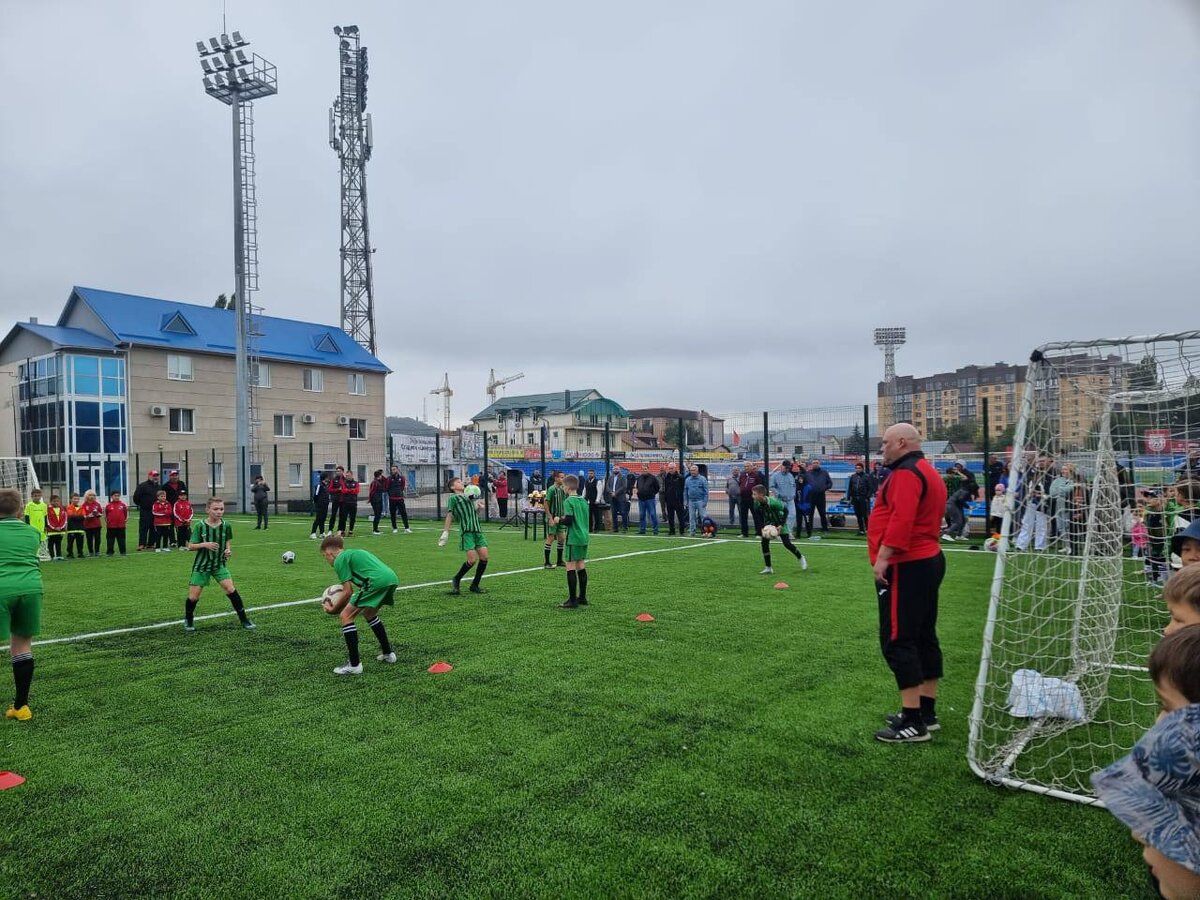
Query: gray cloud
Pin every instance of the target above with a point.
(694, 204)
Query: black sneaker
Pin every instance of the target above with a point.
(548, 566)
(582, 602)
(907, 733)
(931, 722)
(476, 589)
(570, 604)
(454, 591)
(560, 566)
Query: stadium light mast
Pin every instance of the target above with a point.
(350, 137)
(236, 81)
(888, 339)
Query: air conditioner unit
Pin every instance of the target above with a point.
(308, 418)
(343, 420)
(158, 411)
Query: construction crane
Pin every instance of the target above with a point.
(494, 382)
(446, 393)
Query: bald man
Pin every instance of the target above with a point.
(908, 565)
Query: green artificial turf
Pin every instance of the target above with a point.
(722, 750)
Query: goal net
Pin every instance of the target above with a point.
(17, 472)
(1106, 454)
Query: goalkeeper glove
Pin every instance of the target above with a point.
(442, 540)
(566, 520)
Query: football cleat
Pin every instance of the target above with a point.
(767, 571)
(248, 625)
(803, 564)
(476, 589)
(188, 627)
(21, 715)
(386, 657)
(348, 669)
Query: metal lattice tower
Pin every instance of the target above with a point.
(888, 339)
(350, 138)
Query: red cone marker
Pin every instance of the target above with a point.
(10, 780)
(439, 667)
(781, 585)
(645, 617)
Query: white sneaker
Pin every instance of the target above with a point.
(348, 669)
(386, 657)
(408, 531)
(803, 563)
(313, 537)
(166, 549)
(158, 549)
(949, 538)
(767, 571)
(376, 532)
(396, 530)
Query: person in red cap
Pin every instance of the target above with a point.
(174, 487)
(143, 498)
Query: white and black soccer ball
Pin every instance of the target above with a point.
(288, 557)
(770, 531)
(992, 544)
(472, 491)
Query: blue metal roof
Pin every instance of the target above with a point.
(141, 320)
(75, 338)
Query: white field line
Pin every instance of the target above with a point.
(404, 587)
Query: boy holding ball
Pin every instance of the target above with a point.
(375, 583)
(774, 513)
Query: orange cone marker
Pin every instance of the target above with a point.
(439, 667)
(781, 585)
(10, 780)
(645, 617)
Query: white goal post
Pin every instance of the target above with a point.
(1108, 435)
(18, 472)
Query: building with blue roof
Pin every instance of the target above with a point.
(120, 377)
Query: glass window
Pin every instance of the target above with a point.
(216, 474)
(114, 441)
(182, 421)
(87, 376)
(86, 413)
(295, 475)
(357, 383)
(285, 426)
(179, 368)
(314, 380)
(260, 374)
(358, 429)
(87, 440)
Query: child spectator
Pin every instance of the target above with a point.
(74, 527)
(56, 527)
(20, 597)
(996, 510)
(1139, 535)
(116, 516)
(1186, 544)
(161, 510)
(1155, 790)
(93, 519)
(181, 519)
(1182, 596)
(35, 517)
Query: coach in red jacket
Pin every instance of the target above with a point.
(902, 537)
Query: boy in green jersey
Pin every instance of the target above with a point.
(20, 596)
(35, 517)
(575, 519)
(211, 541)
(465, 511)
(773, 512)
(376, 584)
(555, 530)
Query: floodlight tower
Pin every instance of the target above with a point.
(888, 339)
(350, 138)
(236, 81)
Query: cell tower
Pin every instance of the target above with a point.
(888, 339)
(350, 138)
(236, 80)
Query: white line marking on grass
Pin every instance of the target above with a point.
(404, 587)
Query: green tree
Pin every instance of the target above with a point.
(854, 445)
(691, 433)
(964, 432)
(1144, 375)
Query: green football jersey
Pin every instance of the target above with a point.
(577, 531)
(36, 514)
(221, 534)
(19, 572)
(366, 570)
(773, 511)
(555, 497)
(466, 516)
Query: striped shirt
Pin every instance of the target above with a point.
(556, 497)
(464, 512)
(210, 561)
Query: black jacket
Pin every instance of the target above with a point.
(673, 488)
(616, 485)
(860, 486)
(174, 490)
(145, 494)
(818, 480)
(321, 493)
(591, 490)
(647, 486)
(395, 487)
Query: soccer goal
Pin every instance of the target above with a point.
(17, 472)
(1108, 434)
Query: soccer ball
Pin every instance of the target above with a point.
(472, 490)
(332, 593)
(770, 531)
(288, 557)
(992, 544)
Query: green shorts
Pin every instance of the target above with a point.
(201, 579)
(375, 597)
(20, 615)
(576, 552)
(559, 529)
(472, 540)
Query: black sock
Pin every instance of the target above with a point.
(911, 715)
(238, 607)
(350, 633)
(189, 610)
(479, 572)
(22, 675)
(546, 551)
(462, 570)
(572, 580)
(766, 552)
(380, 635)
(787, 542)
(929, 707)
(582, 583)
(560, 559)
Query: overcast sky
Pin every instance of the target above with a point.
(682, 203)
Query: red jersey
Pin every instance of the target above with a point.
(116, 514)
(350, 489)
(909, 507)
(93, 515)
(56, 518)
(161, 510)
(182, 512)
